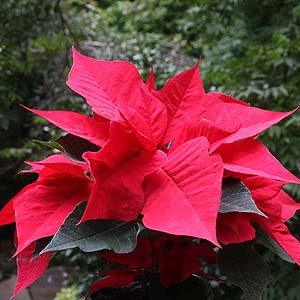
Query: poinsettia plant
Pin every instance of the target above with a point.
(161, 182)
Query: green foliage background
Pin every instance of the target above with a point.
(249, 48)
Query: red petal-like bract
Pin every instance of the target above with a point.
(77, 124)
(183, 196)
(109, 94)
(30, 269)
(119, 196)
(182, 96)
(245, 121)
(7, 214)
(177, 259)
(41, 209)
(269, 198)
(234, 227)
(150, 83)
(140, 257)
(114, 279)
(176, 266)
(190, 130)
(288, 207)
(118, 171)
(148, 119)
(104, 84)
(227, 98)
(251, 157)
(58, 163)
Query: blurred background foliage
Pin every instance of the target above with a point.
(249, 48)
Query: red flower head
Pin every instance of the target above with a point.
(158, 157)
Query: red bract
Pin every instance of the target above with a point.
(41, 207)
(183, 196)
(117, 193)
(258, 161)
(118, 171)
(115, 279)
(104, 84)
(77, 124)
(274, 206)
(182, 96)
(160, 157)
(29, 269)
(277, 206)
(176, 259)
(234, 228)
(150, 81)
(41, 210)
(140, 257)
(243, 121)
(148, 119)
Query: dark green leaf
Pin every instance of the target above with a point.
(40, 245)
(264, 239)
(244, 268)
(95, 235)
(237, 198)
(75, 146)
(193, 288)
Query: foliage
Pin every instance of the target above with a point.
(285, 282)
(245, 269)
(94, 235)
(35, 40)
(67, 294)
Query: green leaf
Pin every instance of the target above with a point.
(95, 235)
(50, 144)
(75, 146)
(237, 198)
(244, 268)
(264, 239)
(40, 245)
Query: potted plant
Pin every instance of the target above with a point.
(161, 183)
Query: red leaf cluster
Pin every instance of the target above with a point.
(173, 258)
(163, 155)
